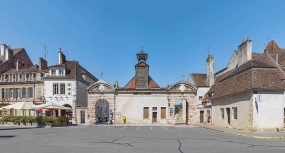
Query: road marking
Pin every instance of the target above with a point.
(138, 127)
(124, 127)
(164, 128)
(151, 128)
(109, 127)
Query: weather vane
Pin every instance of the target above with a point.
(183, 75)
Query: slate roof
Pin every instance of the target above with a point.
(200, 79)
(73, 71)
(132, 83)
(15, 51)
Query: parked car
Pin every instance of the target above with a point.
(0, 116)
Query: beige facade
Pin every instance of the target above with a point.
(243, 103)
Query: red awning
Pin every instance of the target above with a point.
(38, 111)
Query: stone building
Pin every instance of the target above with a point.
(20, 80)
(66, 84)
(203, 82)
(141, 100)
(249, 93)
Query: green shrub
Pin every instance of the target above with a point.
(39, 119)
(17, 119)
(30, 119)
(23, 119)
(56, 120)
(64, 119)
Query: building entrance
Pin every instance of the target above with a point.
(154, 117)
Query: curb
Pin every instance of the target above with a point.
(244, 135)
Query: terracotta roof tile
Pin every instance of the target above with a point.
(200, 79)
(132, 83)
(259, 73)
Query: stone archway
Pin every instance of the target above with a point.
(102, 108)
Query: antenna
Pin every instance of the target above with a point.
(208, 49)
(56, 62)
(101, 74)
(67, 56)
(45, 52)
(265, 42)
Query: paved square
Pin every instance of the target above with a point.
(129, 139)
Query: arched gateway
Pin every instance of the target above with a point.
(142, 100)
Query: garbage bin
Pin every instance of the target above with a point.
(124, 119)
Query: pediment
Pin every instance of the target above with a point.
(101, 86)
(182, 86)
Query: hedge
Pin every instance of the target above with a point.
(32, 119)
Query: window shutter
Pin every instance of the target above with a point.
(31, 92)
(27, 92)
(14, 93)
(7, 93)
(23, 92)
(163, 112)
(145, 112)
(20, 92)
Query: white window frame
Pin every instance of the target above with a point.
(222, 113)
(233, 113)
(55, 89)
(53, 71)
(61, 72)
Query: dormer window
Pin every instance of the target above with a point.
(61, 72)
(53, 72)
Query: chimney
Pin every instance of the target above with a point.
(18, 65)
(244, 52)
(3, 48)
(42, 63)
(61, 57)
(265, 51)
(210, 70)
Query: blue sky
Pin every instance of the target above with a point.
(106, 35)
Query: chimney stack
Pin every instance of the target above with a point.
(42, 63)
(244, 52)
(61, 57)
(3, 49)
(210, 70)
(18, 65)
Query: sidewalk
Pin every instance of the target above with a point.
(258, 135)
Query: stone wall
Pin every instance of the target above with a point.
(243, 102)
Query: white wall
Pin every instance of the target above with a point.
(201, 91)
(83, 96)
(269, 112)
(131, 106)
(60, 99)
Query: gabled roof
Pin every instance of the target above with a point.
(73, 71)
(15, 51)
(132, 83)
(259, 73)
(272, 47)
(200, 79)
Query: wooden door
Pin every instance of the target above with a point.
(229, 115)
(208, 116)
(154, 117)
(82, 116)
(201, 116)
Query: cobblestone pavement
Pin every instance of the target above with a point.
(129, 139)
